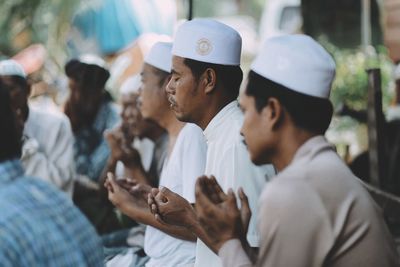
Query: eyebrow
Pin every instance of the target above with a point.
(173, 71)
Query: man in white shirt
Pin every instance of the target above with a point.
(166, 245)
(204, 87)
(47, 150)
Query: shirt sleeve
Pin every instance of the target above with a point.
(232, 254)
(53, 160)
(193, 160)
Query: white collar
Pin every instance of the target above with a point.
(212, 127)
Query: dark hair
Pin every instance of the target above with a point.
(313, 114)
(10, 141)
(228, 77)
(90, 80)
(88, 76)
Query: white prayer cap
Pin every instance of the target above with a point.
(91, 59)
(397, 72)
(297, 62)
(208, 40)
(131, 85)
(160, 56)
(11, 67)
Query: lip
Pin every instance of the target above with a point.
(172, 102)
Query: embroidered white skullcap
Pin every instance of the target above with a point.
(397, 72)
(160, 56)
(11, 67)
(91, 59)
(131, 85)
(208, 40)
(297, 62)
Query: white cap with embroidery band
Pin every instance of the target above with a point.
(10, 67)
(160, 56)
(131, 85)
(297, 62)
(208, 40)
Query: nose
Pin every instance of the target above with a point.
(170, 88)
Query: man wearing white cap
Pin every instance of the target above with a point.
(47, 150)
(315, 212)
(205, 83)
(166, 245)
(136, 133)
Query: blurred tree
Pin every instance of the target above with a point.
(23, 22)
(339, 21)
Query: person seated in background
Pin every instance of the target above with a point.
(167, 246)
(39, 225)
(91, 111)
(314, 212)
(144, 135)
(150, 141)
(47, 150)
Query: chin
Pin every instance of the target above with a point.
(259, 159)
(182, 117)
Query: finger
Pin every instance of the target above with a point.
(154, 192)
(202, 184)
(203, 203)
(245, 211)
(159, 219)
(162, 196)
(231, 200)
(244, 201)
(217, 188)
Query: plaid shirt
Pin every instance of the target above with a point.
(91, 149)
(39, 225)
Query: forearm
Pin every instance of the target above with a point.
(196, 228)
(141, 213)
(137, 173)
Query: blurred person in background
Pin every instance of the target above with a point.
(91, 111)
(47, 150)
(136, 141)
(39, 225)
(144, 135)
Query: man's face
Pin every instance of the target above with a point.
(130, 115)
(153, 99)
(19, 103)
(183, 93)
(133, 123)
(255, 131)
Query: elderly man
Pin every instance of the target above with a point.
(47, 150)
(315, 212)
(39, 226)
(144, 135)
(166, 245)
(205, 83)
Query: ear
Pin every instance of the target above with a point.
(209, 80)
(273, 112)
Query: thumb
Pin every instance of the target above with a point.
(163, 194)
(245, 211)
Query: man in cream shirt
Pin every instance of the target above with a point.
(315, 212)
(204, 87)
